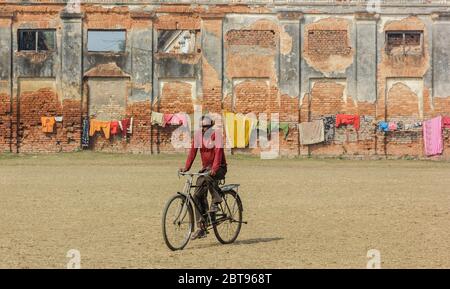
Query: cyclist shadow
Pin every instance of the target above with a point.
(241, 242)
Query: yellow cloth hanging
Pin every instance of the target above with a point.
(239, 129)
(230, 125)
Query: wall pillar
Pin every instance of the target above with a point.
(6, 134)
(289, 72)
(441, 55)
(366, 57)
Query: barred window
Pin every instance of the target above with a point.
(36, 40)
(404, 42)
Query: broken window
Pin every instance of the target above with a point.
(177, 41)
(36, 40)
(404, 43)
(107, 40)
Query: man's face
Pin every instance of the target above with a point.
(206, 124)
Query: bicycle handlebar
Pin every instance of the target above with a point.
(192, 174)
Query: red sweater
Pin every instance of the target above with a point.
(345, 119)
(211, 152)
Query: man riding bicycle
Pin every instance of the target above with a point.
(213, 161)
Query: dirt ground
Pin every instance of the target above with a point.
(301, 213)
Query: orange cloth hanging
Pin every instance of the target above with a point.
(48, 124)
(97, 125)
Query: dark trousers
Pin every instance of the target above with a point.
(204, 184)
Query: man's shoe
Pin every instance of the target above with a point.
(199, 234)
(214, 208)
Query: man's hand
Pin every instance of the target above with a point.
(182, 170)
(212, 173)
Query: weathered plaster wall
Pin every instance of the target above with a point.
(302, 62)
(5, 82)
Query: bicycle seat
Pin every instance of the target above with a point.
(229, 187)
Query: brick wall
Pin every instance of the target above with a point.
(402, 104)
(5, 122)
(176, 96)
(251, 55)
(324, 43)
(45, 102)
(263, 38)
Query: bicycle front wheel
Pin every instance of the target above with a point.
(227, 221)
(177, 222)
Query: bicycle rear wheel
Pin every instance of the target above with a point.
(227, 221)
(177, 222)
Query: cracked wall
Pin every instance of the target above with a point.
(301, 63)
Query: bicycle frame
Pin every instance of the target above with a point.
(189, 199)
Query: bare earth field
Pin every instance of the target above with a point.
(302, 213)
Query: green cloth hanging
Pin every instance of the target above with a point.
(283, 126)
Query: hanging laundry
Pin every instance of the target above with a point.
(58, 118)
(48, 124)
(85, 136)
(252, 124)
(167, 118)
(115, 127)
(400, 125)
(241, 131)
(383, 126)
(312, 132)
(179, 119)
(393, 126)
(347, 119)
(283, 126)
(97, 126)
(124, 125)
(230, 125)
(130, 127)
(157, 118)
(432, 136)
(329, 123)
(446, 121)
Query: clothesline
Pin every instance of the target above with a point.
(314, 132)
(239, 120)
(108, 128)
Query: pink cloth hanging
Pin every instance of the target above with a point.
(393, 126)
(179, 119)
(432, 136)
(167, 118)
(446, 121)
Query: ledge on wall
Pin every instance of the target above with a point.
(69, 15)
(9, 15)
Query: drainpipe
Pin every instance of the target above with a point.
(11, 90)
(153, 83)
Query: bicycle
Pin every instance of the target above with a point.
(226, 222)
